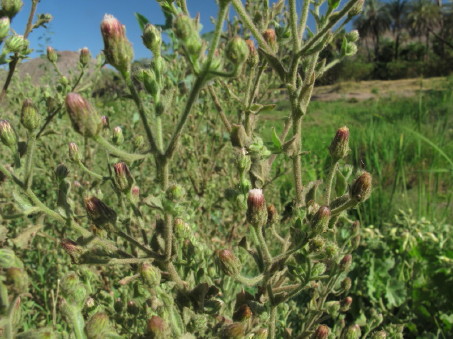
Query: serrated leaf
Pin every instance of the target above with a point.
(24, 238)
(154, 202)
(142, 21)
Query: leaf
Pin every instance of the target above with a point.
(333, 4)
(396, 292)
(24, 204)
(24, 238)
(154, 202)
(142, 21)
(276, 140)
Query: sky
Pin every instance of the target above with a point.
(76, 23)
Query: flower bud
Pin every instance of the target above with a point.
(72, 249)
(331, 249)
(320, 220)
(355, 242)
(322, 332)
(345, 263)
(352, 332)
(272, 214)
(7, 134)
(135, 194)
(117, 48)
(229, 263)
(73, 290)
(29, 116)
(61, 172)
(150, 82)
(123, 177)
(175, 192)
(183, 27)
(345, 304)
(117, 135)
(339, 148)
(233, 331)
(253, 53)
(74, 154)
(356, 9)
(256, 208)
(18, 279)
(132, 307)
(85, 56)
(4, 27)
(99, 213)
(105, 122)
(352, 36)
(242, 313)
(84, 117)
(98, 326)
(51, 55)
(237, 51)
(316, 244)
(138, 141)
(379, 335)
(16, 43)
(346, 284)
(269, 36)
(152, 38)
(332, 307)
(11, 7)
(151, 275)
(157, 327)
(361, 188)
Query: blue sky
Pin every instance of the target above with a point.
(76, 22)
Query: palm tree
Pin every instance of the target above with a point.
(423, 17)
(373, 22)
(397, 10)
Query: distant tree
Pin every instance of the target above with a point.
(397, 11)
(424, 16)
(373, 22)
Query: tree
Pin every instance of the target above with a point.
(373, 22)
(397, 10)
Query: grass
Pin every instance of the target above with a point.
(405, 142)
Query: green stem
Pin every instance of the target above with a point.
(338, 16)
(134, 242)
(330, 176)
(223, 11)
(88, 171)
(293, 25)
(142, 112)
(348, 204)
(29, 160)
(249, 281)
(303, 19)
(297, 166)
(130, 157)
(247, 21)
(263, 245)
(272, 322)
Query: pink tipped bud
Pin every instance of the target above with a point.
(7, 134)
(117, 136)
(99, 212)
(361, 188)
(253, 53)
(345, 263)
(51, 54)
(229, 263)
(157, 327)
(84, 117)
(256, 208)
(244, 312)
(85, 56)
(150, 274)
(117, 49)
(105, 122)
(72, 248)
(345, 304)
(74, 154)
(322, 332)
(339, 148)
(233, 331)
(269, 36)
(320, 220)
(379, 335)
(123, 177)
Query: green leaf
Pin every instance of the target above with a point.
(142, 21)
(396, 292)
(276, 140)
